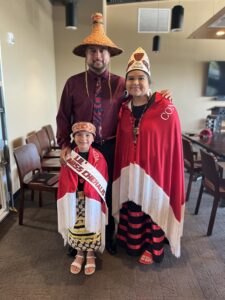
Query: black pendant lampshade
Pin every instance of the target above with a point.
(156, 43)
(71, 19)
(177, 18)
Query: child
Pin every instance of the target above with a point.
(81, 193)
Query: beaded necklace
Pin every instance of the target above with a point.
(137, 113)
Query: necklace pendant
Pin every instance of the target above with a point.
(135, 133)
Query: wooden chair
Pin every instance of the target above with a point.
(47, 164)
(51, 136)
(193, 166)
(46, 149)
(213, 183)
(31, 175)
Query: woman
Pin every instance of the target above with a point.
(148, 187)
(81, 193)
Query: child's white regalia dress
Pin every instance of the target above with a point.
(82, 211)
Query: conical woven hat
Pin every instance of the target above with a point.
(139, 61)
(97, 38)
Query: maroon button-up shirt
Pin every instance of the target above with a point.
(76, 105)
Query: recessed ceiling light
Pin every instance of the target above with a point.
(220, 32)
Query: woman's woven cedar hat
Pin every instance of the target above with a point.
(139, 61)
(83, 126)
(97, 38)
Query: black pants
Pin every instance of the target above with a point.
(108, 151)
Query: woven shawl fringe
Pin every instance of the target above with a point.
(144, 191)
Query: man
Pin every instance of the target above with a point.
(77, 103)
(83, 101)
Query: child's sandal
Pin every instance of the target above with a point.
(76, 266)
(88, 266)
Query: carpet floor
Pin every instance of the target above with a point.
(34, 263)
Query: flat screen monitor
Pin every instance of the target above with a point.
(215, 86)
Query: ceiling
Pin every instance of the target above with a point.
(205, 31)
(109, 2)
(209, 29)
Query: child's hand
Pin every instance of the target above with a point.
(64, 153)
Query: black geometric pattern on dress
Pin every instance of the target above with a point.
(79, 238)
(77, 244)
(80, 209)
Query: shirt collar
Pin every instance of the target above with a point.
(103, 75)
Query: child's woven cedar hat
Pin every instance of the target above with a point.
(97, 38)
(83, 126)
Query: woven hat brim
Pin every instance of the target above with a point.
(81, 49)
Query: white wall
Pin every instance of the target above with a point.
(67, 64)
(32, 85)
(180, 64)
(28, 69)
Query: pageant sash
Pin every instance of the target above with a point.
(88, 172)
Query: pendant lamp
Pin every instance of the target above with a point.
(156, 43)
(177, 18)
(71, 18)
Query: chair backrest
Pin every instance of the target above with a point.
(210, 169)
(43, 141)
(188, 154)
(33, 139)
(27, 160)
(51, 134)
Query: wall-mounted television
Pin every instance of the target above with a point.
(215, 82)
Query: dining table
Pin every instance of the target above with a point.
(214, 144)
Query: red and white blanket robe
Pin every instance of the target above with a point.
(152, 175)
(96, 212)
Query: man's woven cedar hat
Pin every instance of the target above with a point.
(84, 126)
(97, 38)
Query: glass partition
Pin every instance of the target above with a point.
(4, 163)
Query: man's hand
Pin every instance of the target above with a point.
(63, 154)
(166, 94)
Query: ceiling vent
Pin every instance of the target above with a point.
(153, 20)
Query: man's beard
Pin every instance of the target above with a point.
(99, 67)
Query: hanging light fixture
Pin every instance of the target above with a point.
(156, 38)
(71, 19)
(177, 18)
(156, 43)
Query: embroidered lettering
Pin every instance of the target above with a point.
(80, 160)
(75, 165)
(167, 112)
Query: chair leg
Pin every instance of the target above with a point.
(189, 187)
(32, 195)
(21, 208)
(40, 199)
(199, 198)
(213, 215)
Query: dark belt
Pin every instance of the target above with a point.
(103, 141)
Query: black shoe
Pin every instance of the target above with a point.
(72, 252)
(111, 248)
(166, 241)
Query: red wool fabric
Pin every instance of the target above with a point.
(157, 156)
